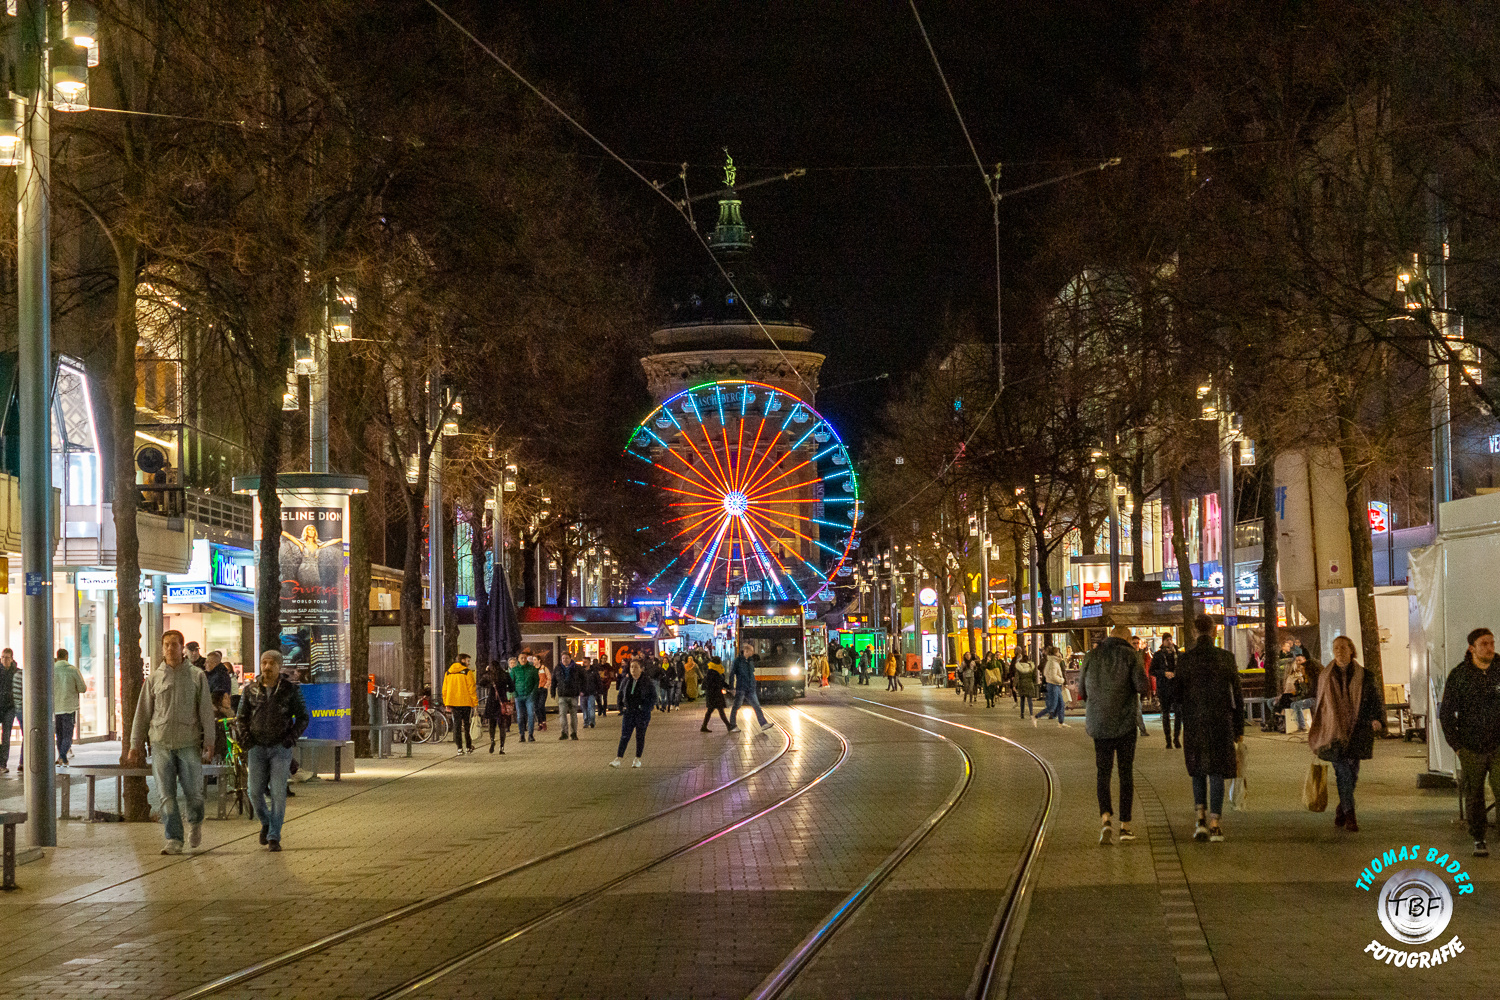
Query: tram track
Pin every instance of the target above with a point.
(992, 972)
(472, 954)
(785, 975)
(369, 926)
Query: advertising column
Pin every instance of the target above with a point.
(314, 552)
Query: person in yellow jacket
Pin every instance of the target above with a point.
(461, 694)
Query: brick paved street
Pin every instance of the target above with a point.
(106, 915)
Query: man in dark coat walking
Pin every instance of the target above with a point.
(1111, 684)
(1214, 721)
(1470, 716)
(1163, 665)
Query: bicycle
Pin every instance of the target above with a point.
(234, 758)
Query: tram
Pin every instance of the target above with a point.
(784, 641)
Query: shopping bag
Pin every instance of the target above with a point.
(1067, 695)
(1238, 784)
(1315, 787)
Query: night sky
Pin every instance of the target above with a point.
(890, 230)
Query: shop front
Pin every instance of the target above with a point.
(213, 603)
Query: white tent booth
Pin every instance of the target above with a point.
(1453, 592)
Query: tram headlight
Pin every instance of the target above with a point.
(796, 670)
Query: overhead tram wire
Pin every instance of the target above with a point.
(653, 185)
(992, 189)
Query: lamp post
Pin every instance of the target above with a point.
(44, 78)
(435, 597)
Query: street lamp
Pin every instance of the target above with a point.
(47, 75)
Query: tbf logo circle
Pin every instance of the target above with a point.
(1415, 906)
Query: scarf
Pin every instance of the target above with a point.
(1339, 692)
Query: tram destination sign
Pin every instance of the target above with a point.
(764, 620)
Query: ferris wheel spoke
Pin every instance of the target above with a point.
(761, 552)
(793, 529)
(739, 450)
(703, 480)
(673, 452)
(706, 470)
(759, 487)
(761, 497)
(760, 460)
(712, 455)
(754, 445)
(706, 497)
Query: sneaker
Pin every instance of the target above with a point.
(61, 763)
(636, 762)
(264, 829)
(173, 847)
(1216, 834)
(4, 770)
(766, 726)
(492, 748)
(563, 736)
(1126, 834)
(703, 729)
(1033, 721)
(1200, 832)
(733, 729)
(195, 834)
(274, 846)
(1106, 835)
(616, 762)
(1481, 849)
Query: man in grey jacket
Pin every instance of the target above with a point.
(175, 710)
(1111, 684)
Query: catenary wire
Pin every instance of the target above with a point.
(653, 185)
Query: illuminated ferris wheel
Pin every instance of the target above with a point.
(763, 497)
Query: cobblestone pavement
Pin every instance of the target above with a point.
(1274, 907)
(1273, 912)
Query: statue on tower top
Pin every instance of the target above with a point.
(729, 170)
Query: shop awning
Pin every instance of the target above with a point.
(1133, 614)
(584, 630)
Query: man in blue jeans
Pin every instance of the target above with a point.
(742, 676)
(175, 710)
(272, 715)
(524, 673)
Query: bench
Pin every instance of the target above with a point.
(92, 772)
(382, 748)
(338, 755)
(9, 821)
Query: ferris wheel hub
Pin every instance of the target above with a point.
(736, 503)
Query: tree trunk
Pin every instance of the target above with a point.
(1360, 551)
(482, 651)
(1137, 517)
(1016, 539)
(359, 623)
(1269, 586)
(450, 583)
(1088, 535)
(268, 561)
(125, 504)
(413, 616)
(1043, 578)
(1179, 548)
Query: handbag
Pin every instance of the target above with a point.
(1315, 788)
(1237, 787)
